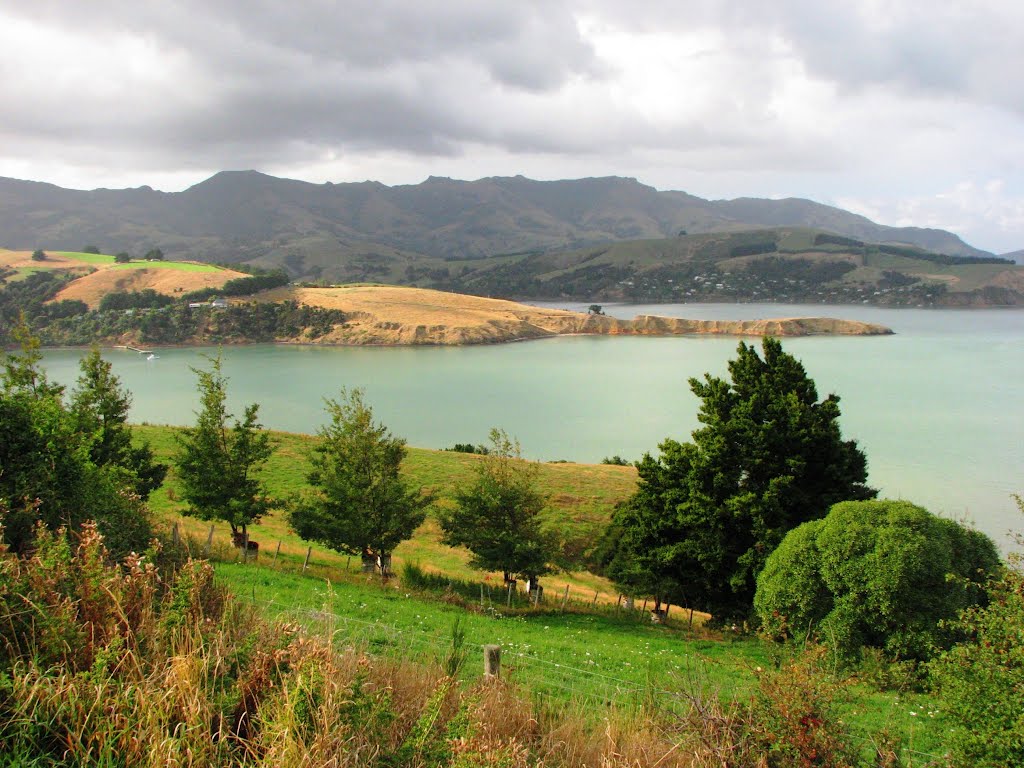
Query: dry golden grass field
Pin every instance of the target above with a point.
(389, 315)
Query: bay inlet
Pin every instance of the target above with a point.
(937, 407)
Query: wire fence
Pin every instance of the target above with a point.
(590, 688)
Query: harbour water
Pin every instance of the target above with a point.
(936, 407)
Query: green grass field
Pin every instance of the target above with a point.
(587, 654)
(88, 258)
(584, 657)
(94, 258)
(23, 272)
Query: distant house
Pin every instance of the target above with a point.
(219, 303)
(196, 304)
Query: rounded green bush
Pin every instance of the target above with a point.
(882, 574)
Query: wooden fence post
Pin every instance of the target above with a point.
(508, 603)
(209, 543)
(278, 550)
(492, 661)
(594, 604)
(565, 598)
(175, 536)
(245, 548)
(305, 564)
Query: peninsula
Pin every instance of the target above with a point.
(395, 315)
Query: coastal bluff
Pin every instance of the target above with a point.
(381, 315)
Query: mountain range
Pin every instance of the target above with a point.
(239, 216)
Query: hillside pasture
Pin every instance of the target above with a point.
(169, 278)
(581, 497)
(99, 274)
(22, 260)
(959, 277)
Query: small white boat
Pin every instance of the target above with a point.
(151, 356)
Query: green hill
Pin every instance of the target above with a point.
(775, 265)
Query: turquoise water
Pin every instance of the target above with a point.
(937, 407)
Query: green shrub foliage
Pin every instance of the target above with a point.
(59, 465)
(707, 514)
(879, 574)
(981, 678)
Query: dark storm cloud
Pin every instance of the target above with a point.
(356, 74)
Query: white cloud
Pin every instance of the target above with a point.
(986, 213)
(878, 103)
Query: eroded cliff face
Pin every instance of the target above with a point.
(364, 329)
(398, 316)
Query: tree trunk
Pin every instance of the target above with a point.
(657, 615)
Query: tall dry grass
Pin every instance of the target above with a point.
(150, 663)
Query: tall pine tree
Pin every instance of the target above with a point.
(707, 514)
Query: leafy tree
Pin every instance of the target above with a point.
(981, 678)
(122, 258)
(91, 249)
(358, 502)
(100, 407)
(218, 465)
(497, 517)
(630, 553)
(147, 298)
(707, 514)
(882, 574)
(57, 310)
(21, 369)
(46, 472)
(38, 255)
(595, 309)
(154, 254)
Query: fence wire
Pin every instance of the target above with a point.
(551, 680)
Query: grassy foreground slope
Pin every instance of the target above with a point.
(581, 498)
(596, 654)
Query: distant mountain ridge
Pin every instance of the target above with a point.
(314, 230)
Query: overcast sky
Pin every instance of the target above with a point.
(908, 111)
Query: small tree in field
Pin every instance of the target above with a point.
(38, 255)
(100, 409)
(218, 465)
(497, 517)
(122, 258)
(358, 502)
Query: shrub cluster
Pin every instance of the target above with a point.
(144, 299)
(877, 574)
